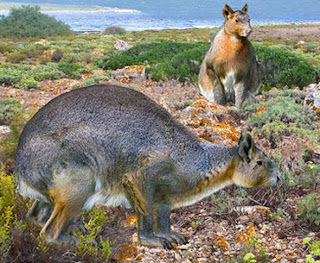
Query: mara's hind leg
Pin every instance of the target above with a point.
(40, 212)
(69, 194)
(210, 86)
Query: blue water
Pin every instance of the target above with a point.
(162, 14)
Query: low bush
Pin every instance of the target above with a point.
(182, 61)
(8, 109)
(114, 30)
(6, 47)
(95, 80)
(49, 71)
(56, 55)
(281, 68)
(309, 209)
(148, 54)
(72, 70)
(282, 114)
(16, 57)
(28, 21)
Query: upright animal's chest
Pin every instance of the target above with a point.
(230, 58)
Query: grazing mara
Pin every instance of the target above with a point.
(114, 146)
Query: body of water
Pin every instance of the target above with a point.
(152, 14)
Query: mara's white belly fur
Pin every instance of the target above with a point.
(105, 199)
(192, 199)
(228, 83)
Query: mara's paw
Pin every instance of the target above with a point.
(156, 242)
(174, 237)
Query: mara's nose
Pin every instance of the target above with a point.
(278, 179)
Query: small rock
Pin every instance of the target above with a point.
(121, 45)
(43, 42)
(202, 260)
(243, 219)
(4, 129)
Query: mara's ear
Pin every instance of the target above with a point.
(245, 8)
(227, 10)
(246, 147)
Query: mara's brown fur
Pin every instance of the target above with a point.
(229, 72)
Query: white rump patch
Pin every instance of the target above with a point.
(28, 191)
(228, 83)
(101, 198)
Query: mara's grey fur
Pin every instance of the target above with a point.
(113, 145)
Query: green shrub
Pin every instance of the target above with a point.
(282, 114)
(182, 61)
(8, 217)
(314, 249)
(9, 144)
(56, 55)
(28, 21)
(8, 108)
(27, 82)
(94, 226)
(309, 209)
(148, 54)
(72, 70)
(282, 68)
(114, 30)
(184, 66)
(6, 47)
(16, 57)
(49, 71)
(77, 57)
(95, 80)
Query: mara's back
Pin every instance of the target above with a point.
(99, 126)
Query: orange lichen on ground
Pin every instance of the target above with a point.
(244, 238)
(220, 242)
(126, 252)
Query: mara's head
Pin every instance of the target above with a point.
(237, 22)
(253, 167)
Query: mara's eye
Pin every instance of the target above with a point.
(237, 20)
(259, 162)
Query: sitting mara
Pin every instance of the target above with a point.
(229, 71)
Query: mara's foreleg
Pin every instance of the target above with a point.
(241, 93)
(210, 86)
(163, 223)
(147, 190)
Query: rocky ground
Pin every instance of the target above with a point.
(214, 233)
(231, 222)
